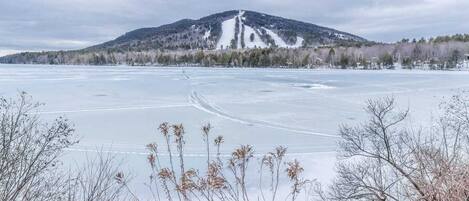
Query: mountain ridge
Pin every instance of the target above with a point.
(229, 30)
(206, 33)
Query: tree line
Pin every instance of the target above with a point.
(445, 52)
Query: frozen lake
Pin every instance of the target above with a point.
(119, 108)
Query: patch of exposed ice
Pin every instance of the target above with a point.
(313, 86)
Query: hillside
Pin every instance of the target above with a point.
(231, 29)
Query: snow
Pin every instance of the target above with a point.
(207, 34)
(299, 42)
(278, 41)
(257, 42)
(343, 36)
(281, 43)
(228, 33)
(117, 109)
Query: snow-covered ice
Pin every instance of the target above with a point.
(118, 109)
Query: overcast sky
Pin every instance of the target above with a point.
(35, 25)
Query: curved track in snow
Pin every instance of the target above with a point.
(199, 102)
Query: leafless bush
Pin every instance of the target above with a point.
(99, 179)
(294, 171)
(382, 160)
(223, 180)
(29, 151)
(273, 161)
(30, 166)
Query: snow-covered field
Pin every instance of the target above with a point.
(118, 109)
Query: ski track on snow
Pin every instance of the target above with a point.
(201, 103)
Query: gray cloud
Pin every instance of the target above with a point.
(34, 25)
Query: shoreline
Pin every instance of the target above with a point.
(239, 67)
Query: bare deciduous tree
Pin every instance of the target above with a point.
(383, 160)
(30, 166)
(30, 150)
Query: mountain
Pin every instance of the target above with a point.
(227, 30)
(231, 29)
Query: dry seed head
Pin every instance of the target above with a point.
(187, 182)
(217, 183)
(245, 152)
(151, 159)
(214, 180)
(165, 173)
(267, 160)
(119, 178)
(164, 128)
(206, 129)
(219, 140)
(190, 173)
(294, 169)
(153, 147)
(178, 130)
(214, 168)
(202, 184)
(280, 152)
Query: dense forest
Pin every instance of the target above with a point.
(444, 52)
